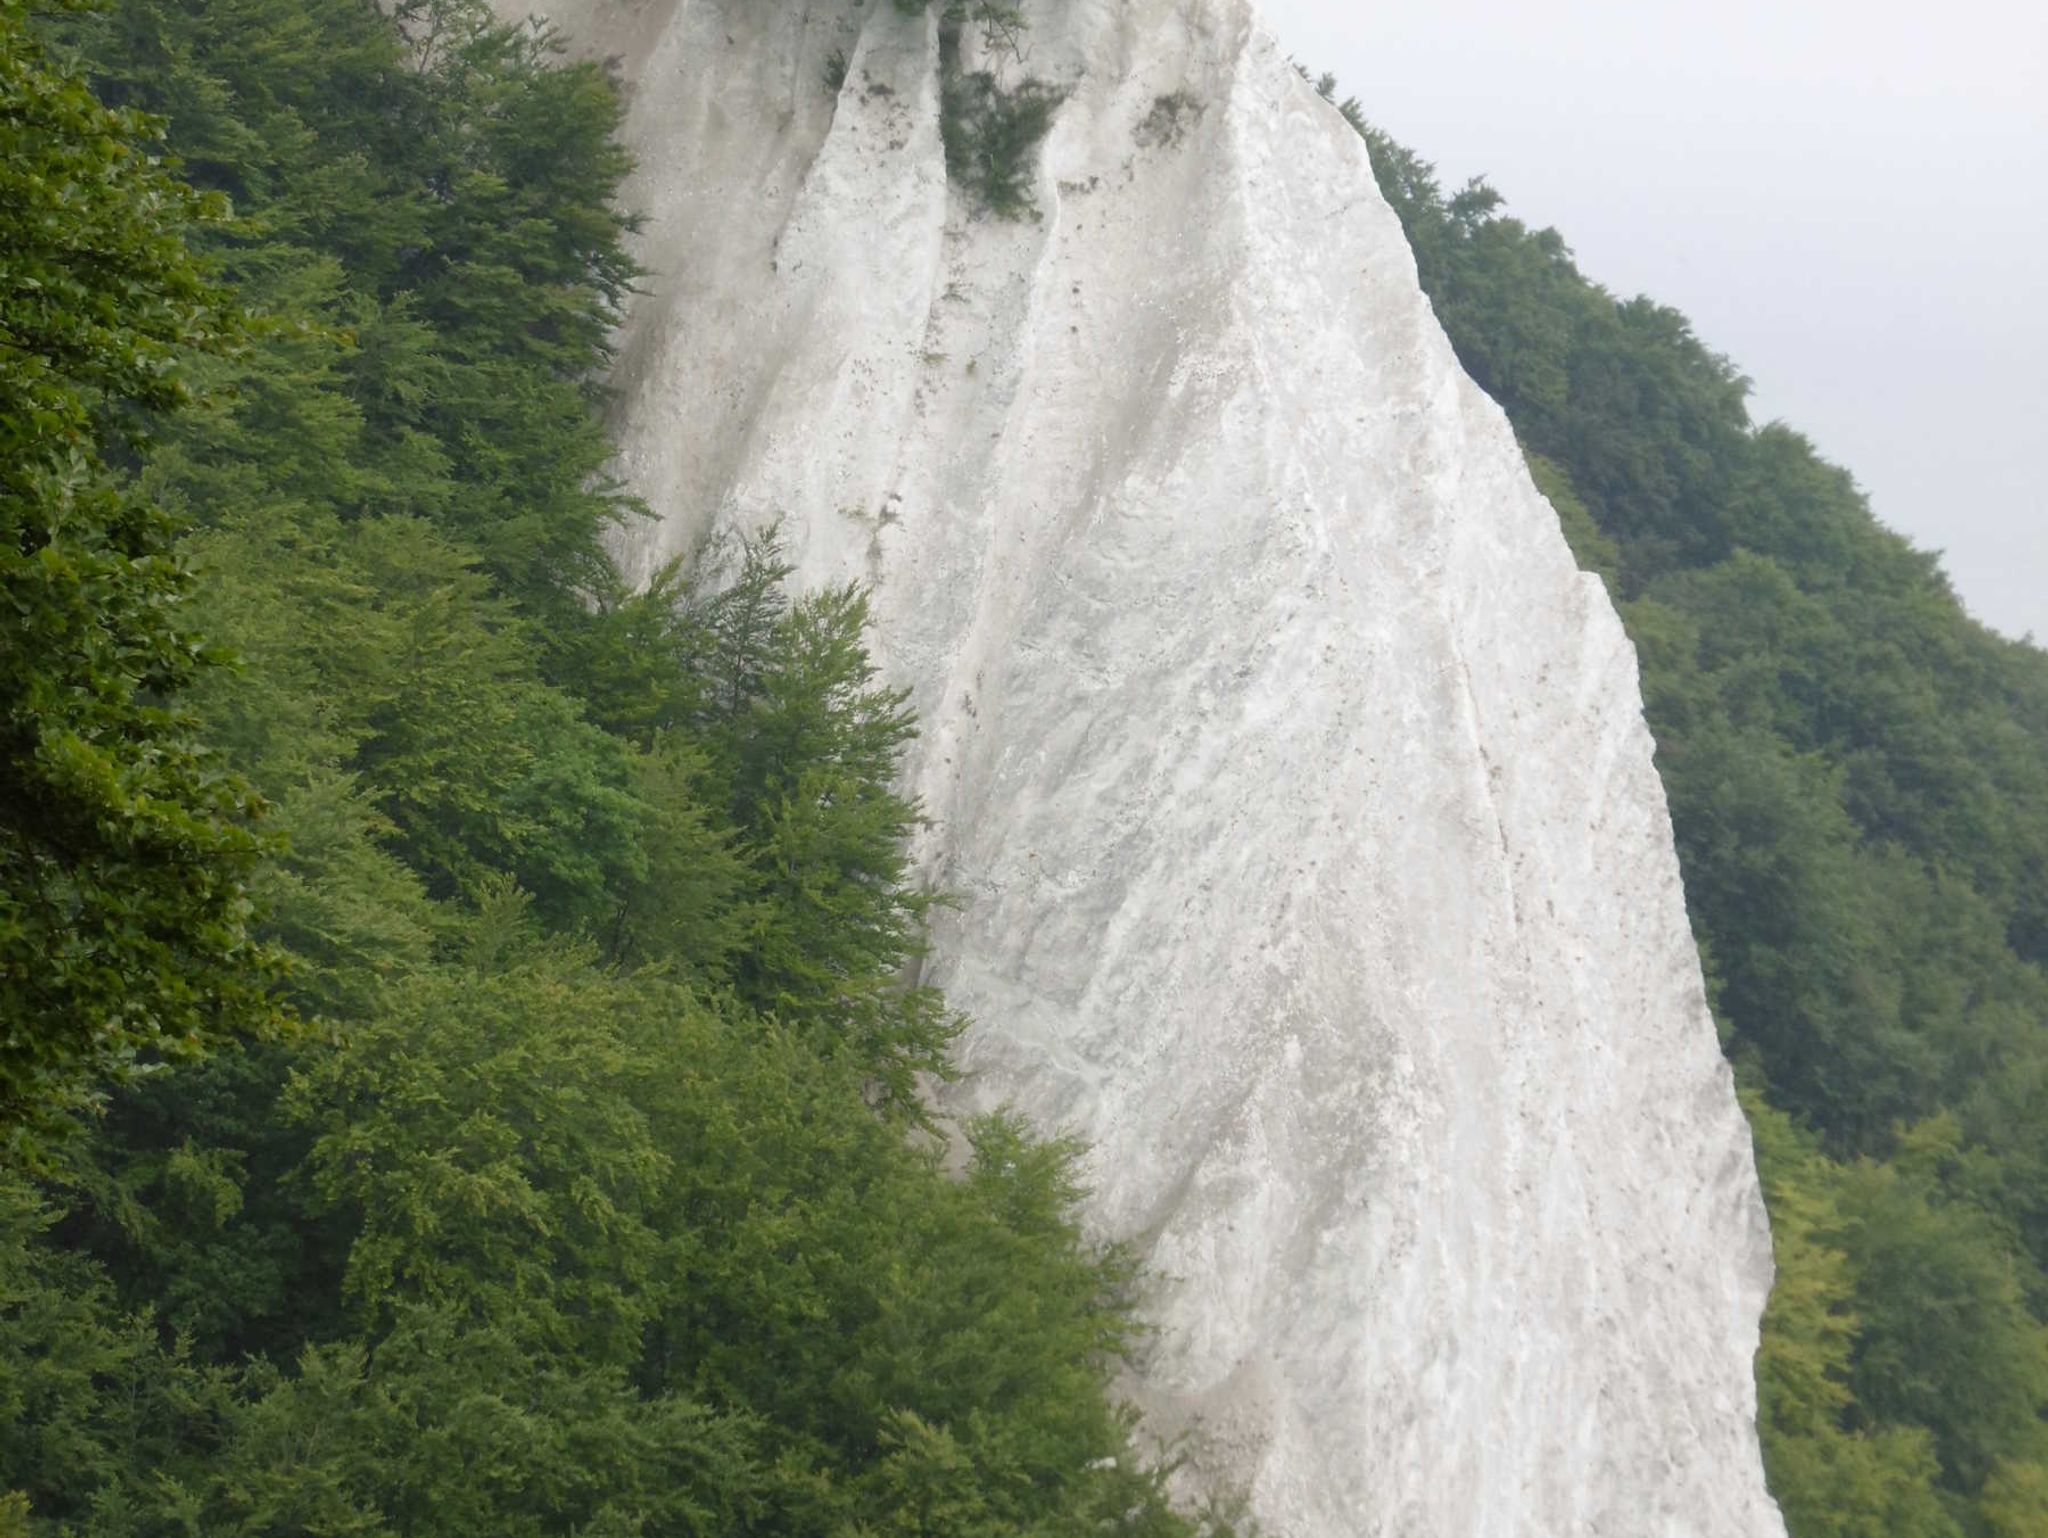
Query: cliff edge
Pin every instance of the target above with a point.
(1293, 782)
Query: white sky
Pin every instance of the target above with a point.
(1848, 197)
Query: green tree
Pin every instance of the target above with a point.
(1947, 1341)
(590, 1200)
(126, 849)
(804, 741)
(1832, 1471)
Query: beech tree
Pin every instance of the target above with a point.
(125, 848)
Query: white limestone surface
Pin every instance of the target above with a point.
(1294, 784)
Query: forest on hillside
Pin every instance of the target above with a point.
(455, 1073)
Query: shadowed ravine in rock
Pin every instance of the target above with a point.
(1293, 782)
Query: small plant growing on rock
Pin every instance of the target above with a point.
(1002, 25)
(1168, 120)
(991, 134)
(991, 131)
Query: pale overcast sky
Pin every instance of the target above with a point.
(1848, 197)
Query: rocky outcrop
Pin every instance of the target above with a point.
(1294, 784)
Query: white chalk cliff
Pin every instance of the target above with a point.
(1311, 861)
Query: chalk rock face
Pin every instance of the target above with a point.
(1294, 784)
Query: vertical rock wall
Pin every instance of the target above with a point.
(1294, 783)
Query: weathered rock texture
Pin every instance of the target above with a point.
(1295, 785)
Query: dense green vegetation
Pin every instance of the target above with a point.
(124, 848)
(455, 1073)
(581, 1187)
(1858, 778)
(991, 131)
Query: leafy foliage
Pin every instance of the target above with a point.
(594, 1198)
(991, 134)
(125, 848)
(991, 130)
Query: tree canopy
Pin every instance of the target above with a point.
(455, 1069)
(125, 845)
(591, 1193)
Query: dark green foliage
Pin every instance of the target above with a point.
(90, 1397)
(125, 848)
(992, 133)
(1946, 1339)
(610, 1257)
(804, 743)
(1858, 779)
(594, 1198)
(439, 199)
(1594, 551)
